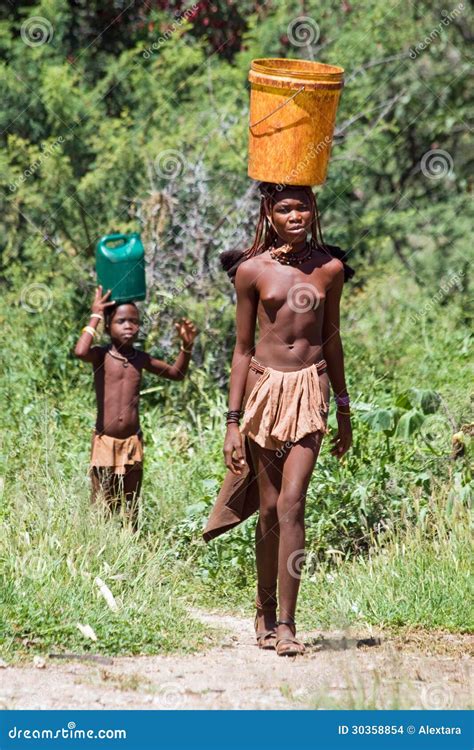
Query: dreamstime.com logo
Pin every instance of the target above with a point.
(70, 732)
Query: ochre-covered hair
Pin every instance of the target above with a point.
(265, 234)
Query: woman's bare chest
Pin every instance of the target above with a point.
(292, 291)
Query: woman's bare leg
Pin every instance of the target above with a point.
(268, 468)
(297, 471)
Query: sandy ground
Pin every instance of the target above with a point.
(417, 671)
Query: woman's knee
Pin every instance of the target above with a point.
(268, 514)
(290, 507)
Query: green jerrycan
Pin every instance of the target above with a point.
(120, 266)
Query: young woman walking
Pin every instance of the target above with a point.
(280, 388)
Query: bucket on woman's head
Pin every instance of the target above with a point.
(120, 266)
(293, 106)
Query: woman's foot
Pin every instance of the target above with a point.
(265, 618)
(286, 642)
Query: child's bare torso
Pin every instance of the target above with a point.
(117, 389)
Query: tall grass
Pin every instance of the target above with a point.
(53, 547)
(418, 574)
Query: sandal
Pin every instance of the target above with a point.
(266, 602)
(293, 646)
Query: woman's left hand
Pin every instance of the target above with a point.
(343, 439)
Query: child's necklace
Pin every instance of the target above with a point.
(124, 360)
(289, 257)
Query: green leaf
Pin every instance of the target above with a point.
(403, 400)
(380, 420)
(409, 423)
(425, 400)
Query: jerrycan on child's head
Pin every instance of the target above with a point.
(120, 266)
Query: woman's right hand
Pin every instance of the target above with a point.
(234, 449)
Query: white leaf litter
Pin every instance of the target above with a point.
(86, 631)
(107, 594)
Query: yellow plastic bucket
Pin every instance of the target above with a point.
(293, 106)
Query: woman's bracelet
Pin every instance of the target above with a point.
(233, 416)
(96, 315)
(89, 329)
(342, 400)
(188, 351)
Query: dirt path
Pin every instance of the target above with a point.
(432, 671)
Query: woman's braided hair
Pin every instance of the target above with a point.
(265, 234)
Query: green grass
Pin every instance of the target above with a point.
(418, 575)
(53, 546)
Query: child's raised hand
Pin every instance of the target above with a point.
(100, 301)
(187, 331)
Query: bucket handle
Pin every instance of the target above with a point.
(280, 106)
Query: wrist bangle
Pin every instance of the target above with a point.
(96, 315)
(233, 416)
(188, 351)
(89, 329)
(342, 400)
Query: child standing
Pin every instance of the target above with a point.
(117, 444)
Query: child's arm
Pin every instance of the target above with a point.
(187, 332)
(83, 348)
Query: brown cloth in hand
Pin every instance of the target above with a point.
(116, 453)
(237, 500)
(281, 408)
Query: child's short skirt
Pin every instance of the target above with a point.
(116, 453)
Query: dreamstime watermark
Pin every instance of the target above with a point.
(171, 696)
(47, 151)
(436, 430)
(169, 164)
(311, 153)
(448, 17)
(187, 15)
(70, 732)
(300, 560)
(444, 289)
(302, 298)
(437, 164)
(358, 73)
(36, 30)
(36, 298)
(284, 448)
(303, 31)
(437, 697)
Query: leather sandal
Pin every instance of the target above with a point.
(288, 646)
(265, 602)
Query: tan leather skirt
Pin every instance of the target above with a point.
(283, 407)
(116, 453)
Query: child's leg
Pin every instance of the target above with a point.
(105, 487)
(132, 482)
(95, 484)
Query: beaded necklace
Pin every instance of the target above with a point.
(288, 257)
